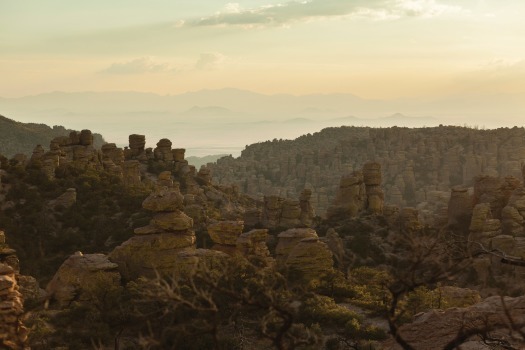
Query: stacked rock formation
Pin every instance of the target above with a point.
(358, 192)
(79, 276)
(154, 248)
(163, 151)
(302, 256)
(415, 162)
(225, 234)
(136, 146)
(13, 334)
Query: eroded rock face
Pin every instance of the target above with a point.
(435, 329)
(80, 275)
(13, 334)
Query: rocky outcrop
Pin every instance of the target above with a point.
(13, 334)
(80, 276)
(494, 315)
(154, 248)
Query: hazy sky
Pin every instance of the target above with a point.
(372, 48)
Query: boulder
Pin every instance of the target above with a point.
(226, 232)
(80, 275)
(164, 199)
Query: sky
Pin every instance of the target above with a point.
(375, 49)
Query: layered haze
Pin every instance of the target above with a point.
(214, 76)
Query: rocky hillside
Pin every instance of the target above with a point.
(419, 164)
(16, 137)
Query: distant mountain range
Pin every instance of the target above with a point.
(223, 121)
(16, 137)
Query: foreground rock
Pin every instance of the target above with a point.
(493, 316)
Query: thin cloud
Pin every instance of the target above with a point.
(210, 61)
(294, 11)
(138, 66)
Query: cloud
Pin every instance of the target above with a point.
(210, 61)
(294, 11)
(138, 66)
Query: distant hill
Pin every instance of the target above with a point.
(199, 161)
(16, 137)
